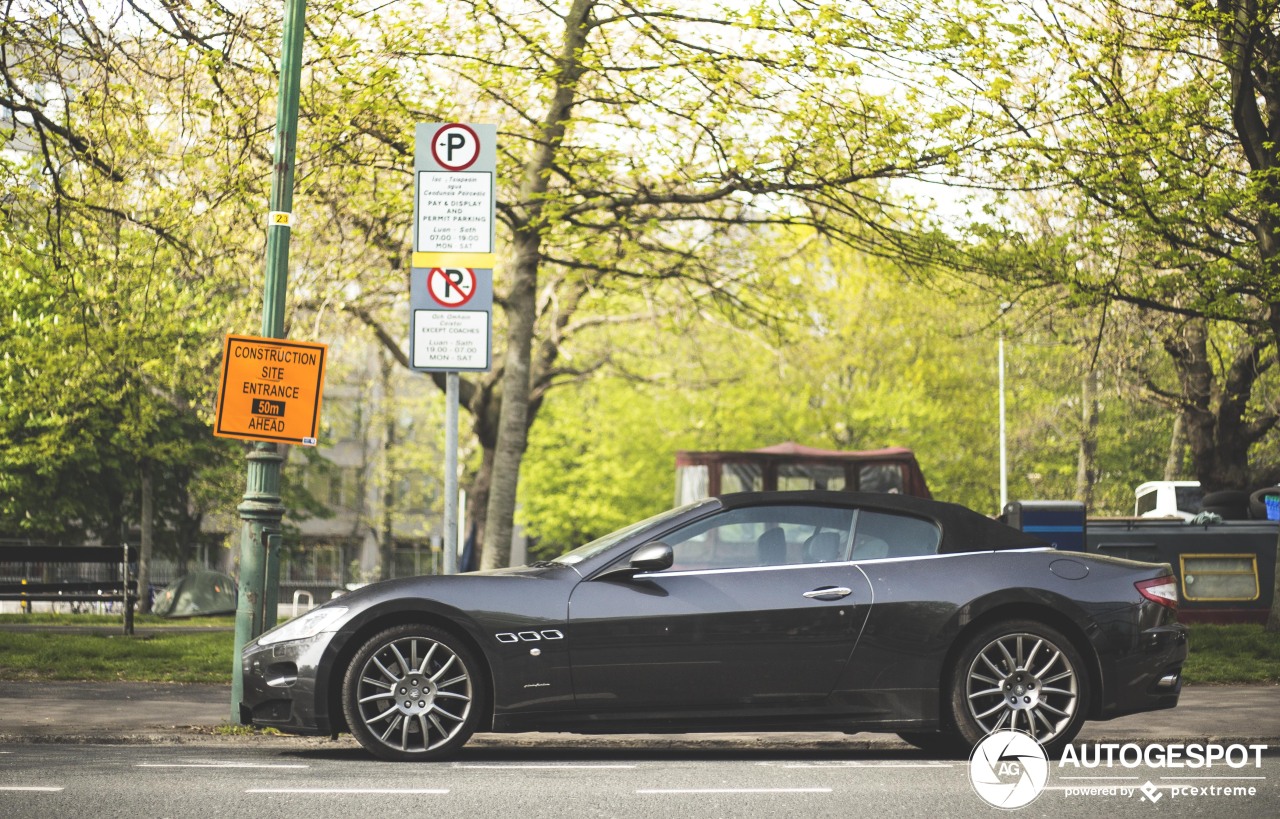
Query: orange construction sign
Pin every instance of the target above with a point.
(270, 390)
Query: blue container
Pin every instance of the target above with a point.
(1061, 523)
(1273, 506)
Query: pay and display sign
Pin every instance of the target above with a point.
(451, 282)
(270, 390)
(453, 209)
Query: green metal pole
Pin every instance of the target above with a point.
(261, 510)
(272, 607)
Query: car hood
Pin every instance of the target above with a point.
(522, 590)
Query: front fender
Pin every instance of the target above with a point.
(503, 616)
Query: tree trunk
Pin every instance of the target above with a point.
(387, 545)
(148, 534)
(1087, 469)
(1213, 407)
(513, 418)
(521, 302)
(478, 495)
(1177, 449)
(188, 543)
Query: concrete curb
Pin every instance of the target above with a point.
(188, 714)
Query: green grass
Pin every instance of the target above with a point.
(147, 620)
(1232, 654)
(228, 729)
(186, 657)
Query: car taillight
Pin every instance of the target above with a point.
(1162, 590)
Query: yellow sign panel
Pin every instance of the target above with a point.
(270, 390)
(484, 261)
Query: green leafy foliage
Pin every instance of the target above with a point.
(115, 281)
(1130, 160)
(867, 359)
(107, 363)
(715, 222)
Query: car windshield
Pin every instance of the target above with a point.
(595, 547)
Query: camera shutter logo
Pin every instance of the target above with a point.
(1008, 769)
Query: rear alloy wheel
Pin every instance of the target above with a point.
(412, 693)
(1024, 676)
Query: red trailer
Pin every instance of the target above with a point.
(790, 466)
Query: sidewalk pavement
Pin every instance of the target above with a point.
(156, 713)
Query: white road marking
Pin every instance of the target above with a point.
(868, 765)
(39, 788)
(1213, 777)
(322, 791)
(522, 767)
(215, 765)
(732, 790)
(1098, 777)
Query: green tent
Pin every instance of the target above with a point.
(197, 594)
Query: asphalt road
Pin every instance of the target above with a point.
(142, 750)
(213, 780)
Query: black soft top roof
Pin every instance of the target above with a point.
(963, 530)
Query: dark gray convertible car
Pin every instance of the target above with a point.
(766, 611)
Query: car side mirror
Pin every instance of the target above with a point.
(652, 557)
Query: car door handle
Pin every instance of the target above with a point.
(828, 593)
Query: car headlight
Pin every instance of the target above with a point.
(300, 628)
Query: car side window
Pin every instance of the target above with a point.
(762, 536)
(880, 535)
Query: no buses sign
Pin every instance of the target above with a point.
(451, 286)
(451, 328)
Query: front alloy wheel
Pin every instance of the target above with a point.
(411, 693)
(1022, 676)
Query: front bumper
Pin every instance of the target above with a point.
(281, 687)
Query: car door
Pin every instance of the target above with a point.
(760, 609)
(906, 637)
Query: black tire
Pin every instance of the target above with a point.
(1023, 675)
(413, 693)
(943, 744)
(1226, 497)
(1229, 504)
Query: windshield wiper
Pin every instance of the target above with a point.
(543, 564)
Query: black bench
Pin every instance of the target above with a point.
(30, 573)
